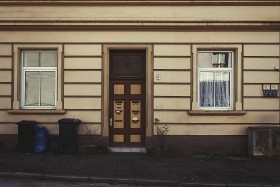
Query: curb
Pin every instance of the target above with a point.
(204, 185)
(21, 175)
(128, 181)
(66, 178)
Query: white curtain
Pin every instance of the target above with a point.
(214, 89)
(40, 88)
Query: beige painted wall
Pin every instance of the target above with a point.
(173, 57)
(173, 62)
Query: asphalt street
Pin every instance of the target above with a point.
(136, 170)
(34, 183)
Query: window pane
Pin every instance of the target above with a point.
(214, 60)
(48, 59)
(48, 89)
(206, 89)
(31, 59)
(229, 60)
(32, 85)
(214, 89)
(40, 59)
(215, 86)
(222, 89)
(205, 60)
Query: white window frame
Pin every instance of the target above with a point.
(36, 69)
(231, 72)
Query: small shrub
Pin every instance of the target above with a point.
(103, 148)
(93, 148)
(161, 133)
(160, 150)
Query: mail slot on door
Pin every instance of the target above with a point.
(135, 119)
(135, 111)
(118, 114)
(118, 111)
(135, 114)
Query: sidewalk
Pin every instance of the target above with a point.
(140, 169)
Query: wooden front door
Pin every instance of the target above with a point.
(127, 97)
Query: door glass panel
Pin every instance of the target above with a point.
(135, 138)
(118, 138)
(129, 63)
(118, 114)
(135, 114)
(135, 89)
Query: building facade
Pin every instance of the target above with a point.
(206, 70)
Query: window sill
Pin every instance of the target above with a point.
(217, 113)
(31, 112)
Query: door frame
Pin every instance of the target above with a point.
(105, 86)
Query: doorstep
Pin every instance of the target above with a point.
(128, 149)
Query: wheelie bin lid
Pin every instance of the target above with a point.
(69, 121)
(27, 122)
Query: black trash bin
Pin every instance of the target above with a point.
(68, 135)
(26, 134)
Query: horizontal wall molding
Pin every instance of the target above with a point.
(85, 83)
(139, 3)
(6, 82)
(262, 56)
(170, 110)
(84, 56)
(216, 113)
(140, 43)
(38, 122)
(172, 56)
(263, 26)
(260, 83)
(179, 110)
(260, 97)
(262, 110)
(81, 70)
(157, 69)
(83, 110)
(39, 112)
(82, 96)
(245, 124)
(173, 83)
(49, 123)
(163, 96)
(261, 70)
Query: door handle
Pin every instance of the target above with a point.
(111, 122)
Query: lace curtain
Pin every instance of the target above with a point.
(214, 89)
